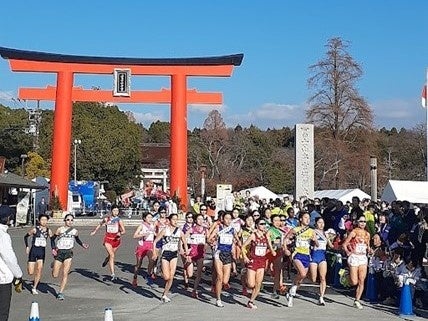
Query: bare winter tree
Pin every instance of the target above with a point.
(340, 115)
(336, 104)
(215, 138)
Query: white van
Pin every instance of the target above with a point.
(75, 203)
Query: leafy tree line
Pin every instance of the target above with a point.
(243, 157)
(345, 138)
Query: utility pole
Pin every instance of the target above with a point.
(373, 178)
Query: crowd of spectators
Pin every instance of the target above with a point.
(398, 230)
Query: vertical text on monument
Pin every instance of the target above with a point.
(304, 161)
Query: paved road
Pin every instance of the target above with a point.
(90, 291)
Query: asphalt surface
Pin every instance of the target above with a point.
(90, 291)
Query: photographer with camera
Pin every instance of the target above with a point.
(10, 272)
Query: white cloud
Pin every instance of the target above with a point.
(7, 95)
(269, 115)
(147, 118)
(398, 113)
(205, 109)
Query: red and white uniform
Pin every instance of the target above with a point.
(145, 243)
(258, 251)
(359, 246)
(112, 235)
(197, 240)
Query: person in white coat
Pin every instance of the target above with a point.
(10, 272)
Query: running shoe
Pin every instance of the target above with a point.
(289, 299)
(219, 304)
(251, 305)
(34, 291)
(358, 305)
(105, 262)
(60, 296)
(134, 282)
(293, 290)
(153, 276)
(226, 286)
(244, 291)
(321, 301)
(195, 294)
(186, 285)
(113, 277)
(165, 299)
(274, 296)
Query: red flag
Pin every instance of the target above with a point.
(424, 97)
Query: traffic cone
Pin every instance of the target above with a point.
(34, 312)
(108, 314)
(371, 288)
(406, 307)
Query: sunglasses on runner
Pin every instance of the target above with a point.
(189, 216)
(263, 223)
(70, 220)
(362, 222)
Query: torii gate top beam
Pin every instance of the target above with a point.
(31, 61)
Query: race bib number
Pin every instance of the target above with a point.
(198, 239)
(260, 250)
(150, 237)
(40, 242)
(226, 239)
(112, 228)
(302, 243)
(322, 245)
(66, 243)
(172, 244)
(360, 248)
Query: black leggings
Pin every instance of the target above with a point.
(5, 297)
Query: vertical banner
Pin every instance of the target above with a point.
(22, 207)
(222, 191)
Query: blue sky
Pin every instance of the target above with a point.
(280, 40)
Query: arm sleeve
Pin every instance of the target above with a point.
(79, 241)
(26, 236)
(9, 257)
(53, 245)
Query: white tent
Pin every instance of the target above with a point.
(412, 191)
(260, 191)
(343, 195)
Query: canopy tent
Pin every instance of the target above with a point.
(13, 180)
(412, 191)
(261, 192)
(343, 195)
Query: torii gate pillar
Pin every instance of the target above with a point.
(62, 136)
(178, 163)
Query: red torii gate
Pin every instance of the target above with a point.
(65, 66)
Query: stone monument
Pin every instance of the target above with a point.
(304, 161)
